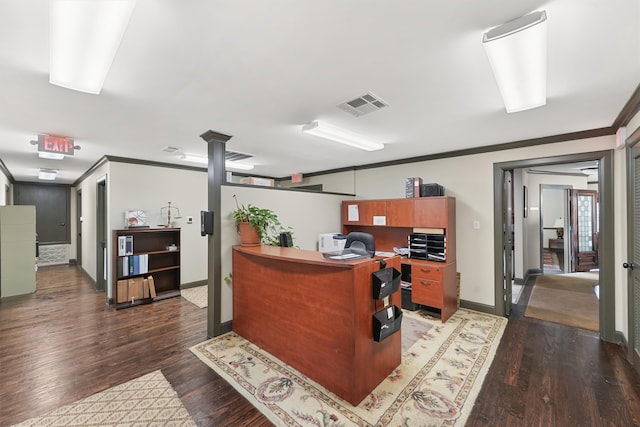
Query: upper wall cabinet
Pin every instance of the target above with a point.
(400, 212)
(433, 212)
(364, 212)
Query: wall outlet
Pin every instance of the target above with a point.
(189, 220)
(476, 225)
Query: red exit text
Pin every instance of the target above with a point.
(56, 144)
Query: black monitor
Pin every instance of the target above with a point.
(359, 242)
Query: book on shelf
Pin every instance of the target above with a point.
(152, 287)
(128, 245)
(133, 265)
(122, 291)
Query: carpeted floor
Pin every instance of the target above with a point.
(146, 401)
(196, 295)
(435, 385)
(568, 299)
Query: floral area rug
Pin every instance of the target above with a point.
(146, 401)
(435, 385)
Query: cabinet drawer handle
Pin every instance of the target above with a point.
(425, 270)
(426, 283)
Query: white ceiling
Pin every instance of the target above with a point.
(258, 70)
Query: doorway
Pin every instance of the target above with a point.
(604, 161)
(79, 227)
(101, 234)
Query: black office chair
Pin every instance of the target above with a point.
(362, 243)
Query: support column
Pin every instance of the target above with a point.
(216, 177)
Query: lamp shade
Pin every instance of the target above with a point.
(517, 51)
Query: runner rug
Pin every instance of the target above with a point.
(435, 385)
(568, 299)
(146, 401)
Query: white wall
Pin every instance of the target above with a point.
(149, 188)
(308, 214)
(89, 243)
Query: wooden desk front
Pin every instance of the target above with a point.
(315, 315)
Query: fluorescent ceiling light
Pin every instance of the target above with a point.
(204, 160)
(47, 174)
(195, 159)
(517, 52)
(235, 165)
(84, 36)
(52, 156)
(343, 136)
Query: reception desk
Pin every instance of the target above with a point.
(316, 315)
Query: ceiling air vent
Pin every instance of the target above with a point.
(233, 156)
(170, 149)
(362, 105)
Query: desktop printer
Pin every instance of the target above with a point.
(331, 242)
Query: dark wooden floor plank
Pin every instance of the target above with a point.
(64, 343)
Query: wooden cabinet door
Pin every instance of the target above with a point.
(366, 210)
(431, 212)
(400, 212)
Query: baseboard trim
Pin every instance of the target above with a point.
(223, 329)
(475, 306)
(531, 273)
(193, 284)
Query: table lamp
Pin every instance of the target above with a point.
(559, 226)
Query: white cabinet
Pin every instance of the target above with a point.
(17, 250)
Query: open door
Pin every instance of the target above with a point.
(633, 251)
(507, 220)
(584, 236)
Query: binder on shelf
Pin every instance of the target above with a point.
(122, 291)
(145, 288)
(122, 245)
(386, 322)
(128, 245)
(412, 187)
(384, 282)
(123, 266)
(152, 287)
(136, 264)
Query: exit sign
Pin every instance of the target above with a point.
(56, 144)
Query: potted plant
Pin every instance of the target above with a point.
(257, 225)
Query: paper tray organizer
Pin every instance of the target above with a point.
(383, 326)
(384, 282)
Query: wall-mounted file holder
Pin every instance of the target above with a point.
(386, 323)
(384, 282)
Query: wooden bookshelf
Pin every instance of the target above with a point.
(154, 252)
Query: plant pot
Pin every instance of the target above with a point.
(248, 236)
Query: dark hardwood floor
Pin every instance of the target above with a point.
(546, 374)
(64, 343)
